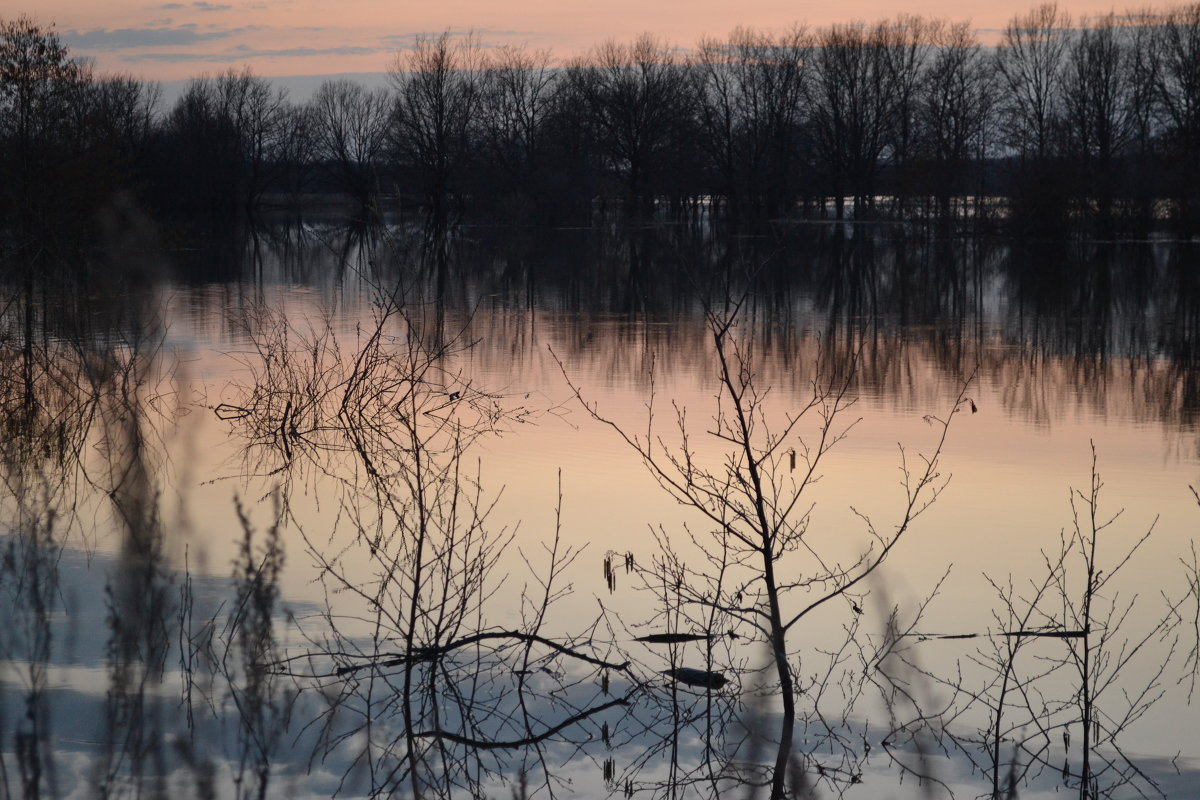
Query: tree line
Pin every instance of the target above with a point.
(1058, 126)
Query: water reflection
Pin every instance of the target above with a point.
(1086, 301)
(82, 388)
(435, 652)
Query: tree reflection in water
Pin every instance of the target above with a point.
(411, 680)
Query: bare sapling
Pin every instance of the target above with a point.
(762, 572)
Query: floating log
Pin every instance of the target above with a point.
(673, 638)
(697, 677)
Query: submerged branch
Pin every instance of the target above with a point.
(484, 744)
(432, 652)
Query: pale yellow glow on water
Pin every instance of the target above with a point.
(1008, 499)
(1011, 465)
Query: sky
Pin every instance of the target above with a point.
(170, 41)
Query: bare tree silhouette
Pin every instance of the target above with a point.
(763, 574)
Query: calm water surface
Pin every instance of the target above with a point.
(1063, 351)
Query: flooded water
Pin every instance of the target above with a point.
(365, 512)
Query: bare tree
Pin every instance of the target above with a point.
(763, 573)
(1071, 625)
(258, 114)
(350, 130)
(634, 96)
(1031, 60)
(908, 42)
(437, 85)
(1177, 76)
(518, 95)
(296, 151)
(952, 111)
(227, 134)
(426, 691)
(853, 107)
(38, 87)
(750, 104)
(1142, 66)
(1099, 109)
(121, 116)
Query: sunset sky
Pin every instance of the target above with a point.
(173, 40)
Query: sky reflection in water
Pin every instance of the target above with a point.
(1062, 365)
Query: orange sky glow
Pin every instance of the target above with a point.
(169, 40)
